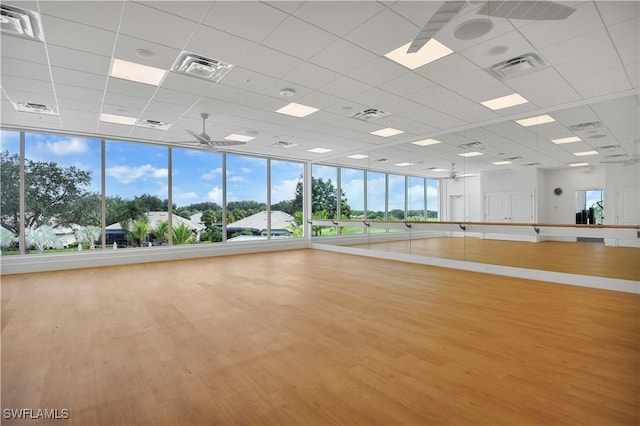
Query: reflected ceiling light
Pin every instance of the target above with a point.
(403, 164)
(566, 140)
(426, 142)
(297, 110)
(470, 154)
(118, 119)
(578, 164)
(534, 121)
(385, 133)
(319, 150)
(501, 163)
(430, 52)
(239, 138)
(504, 102)
(357, 156)
(585, 153)
(136, 72)
(439, 170)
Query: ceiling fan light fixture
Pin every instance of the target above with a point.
(201, 67)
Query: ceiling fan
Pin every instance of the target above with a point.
(454, 174)
(203, 140)
(530, 10)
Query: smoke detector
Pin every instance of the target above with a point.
(283, 144)
(201, 67)
(517, 66)
(35, 108)
(20, 22)
(153, 124)
(370, 114)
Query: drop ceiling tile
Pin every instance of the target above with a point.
(71, 114)
(614, 12)
(13, 84)
(167, 107)
(127, 47)
(186, 84)
(78, 78)
(92, 105)
(193, 10)
(175, 97)
(318, 99)
(299, 39)
(311, 76)
(633, 71)
(130, 88)
(119, 131)
(270, 62)
(584, 67)
(60, 32)
(79, 61)
(626, 33)
(286, 5)
(147, 23)
(119, 109)
(40, 120)
(265, 103)
(345, 87)
(406, 83)
(369, 36)
(100, 14)
(506, 46)
(250, 20)
(475, 80)
(343, 57)
(431, 95)
(338, 18)
(23, 49)
(576, 48)
(228, 94)
(127, 102)
(550, 94)
(378, 71)
(24, 69)
(219, 45)
(470, 112)
(447, 68)
(417, 12)
(374, 97)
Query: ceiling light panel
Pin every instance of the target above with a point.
(534, 121)
(137, 72)
(504, 102)
(585, 153)
(118, 119)
(430, 52)
(357, 156)
(439, 170)
(578, 164)
(319, 150)
(566, 140)
(239, 138)
(297, 110)
(426, 142)
(470, 154)
(404, 164)
(389, 131)
(501, 163)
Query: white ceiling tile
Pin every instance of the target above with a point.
(431, 95)
(550, 94)
(509, 45)
(378, 71)
(418, 12)
(126, 102)
(614, 12)
(374, 97)
(60, 32)
(228, 94)
(78, 78)
(78, 60)
(449, 67)
(146, 23)
(406, 83)
(250, 20)
(343, 57)
(20, 48)
(81, 125)
(193, 10)
(219, 45)
(345, 87)
(341, 17)
(271, 62)
(100, 14)
(369, 34)
(633, 71)
(288, 6)
(186, 84)
(476, 79)
(127, 47)
(167, 107)
(589, 65)
(311, 76)
(626, 33)
(318, 100)
(70, 113)
(18, 84)
(40, 120)
(297, 38)
(576, 48)
(24, 69)
(79, 104)
(130, 88)
(175, 97)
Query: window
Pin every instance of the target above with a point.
(246, 198)
(433, 200)
(287, 192)
(324, 202)
(10, 180)
(352, 186)
(416, 201)
(396, 198)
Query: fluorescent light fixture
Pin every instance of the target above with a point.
(470, 154)
(566, 140)
(319, 150)
(426, 142)
(385, 133)
(432, 51)
(466, 175)
(136, 72)
(578, 164)
(439, 170)
(297, 110)
(357, 156)
(534, 121)
(239, 138)
(504, 102)
(118, 119)
(585, 153)
(403, 164)
(501, 163)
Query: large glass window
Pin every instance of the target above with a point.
(376, 196)
(416, 201)
(246, 198)
(10, 195)
(137, 194)
(287, 192)
(196, 198)
(352, 186)
(324, 201)
(396, 197)
(433, 200)
(62, 193)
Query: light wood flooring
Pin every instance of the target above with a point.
(582, 258)
(311, 337)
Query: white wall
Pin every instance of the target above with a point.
(469, 188)
(562, 208)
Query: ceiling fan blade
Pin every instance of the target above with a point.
(225, 143)
(203, 138)
(531, 10)
(443, 15)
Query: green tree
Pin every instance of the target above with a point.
(151, 203)
(323, 197)
(209, 217)
(140, 230)
(182, 234)
(317, 229)
(50, 192)
(88, 234)
(161, 232)
(41, 238)
(6, 238)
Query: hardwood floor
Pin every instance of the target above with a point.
(312, 338)
(582, 258)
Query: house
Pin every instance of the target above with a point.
(257, 224)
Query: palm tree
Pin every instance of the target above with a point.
(40, 238)
(140, 230)
(182, 234)
(6, 238)
(317, 229)
(161, 232)
(88, 234)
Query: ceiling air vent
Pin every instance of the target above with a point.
(153, 124)
(201, 67)
(585, 126)
(370, 114)
(609, 147)
(518, 66)
(531, 164)
(283, 144)
(20, 22)
(615, 155)
(382, 160)
(472, 145)
(35, 108)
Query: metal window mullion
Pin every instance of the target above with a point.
(338, 198)
(307, 212)
(406, 196)
(224, 197)
(21, 218)
(268, 198)
(170, 196)
(103, 189)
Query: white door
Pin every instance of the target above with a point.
(495, 207)
(521, 206)
(628, 205)
(509, 207)
(456, 208)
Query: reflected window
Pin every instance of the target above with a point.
(324, 198)
(416, 202)
(287, 192)
(396, 198)
(352, 185)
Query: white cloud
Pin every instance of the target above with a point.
(215, 195)
(354, 191)
(65, 147)
(284, 190)
(236, 179)
(246, 170)
(128, 174)
(185, 196)
(416, 196)
(212, 174)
